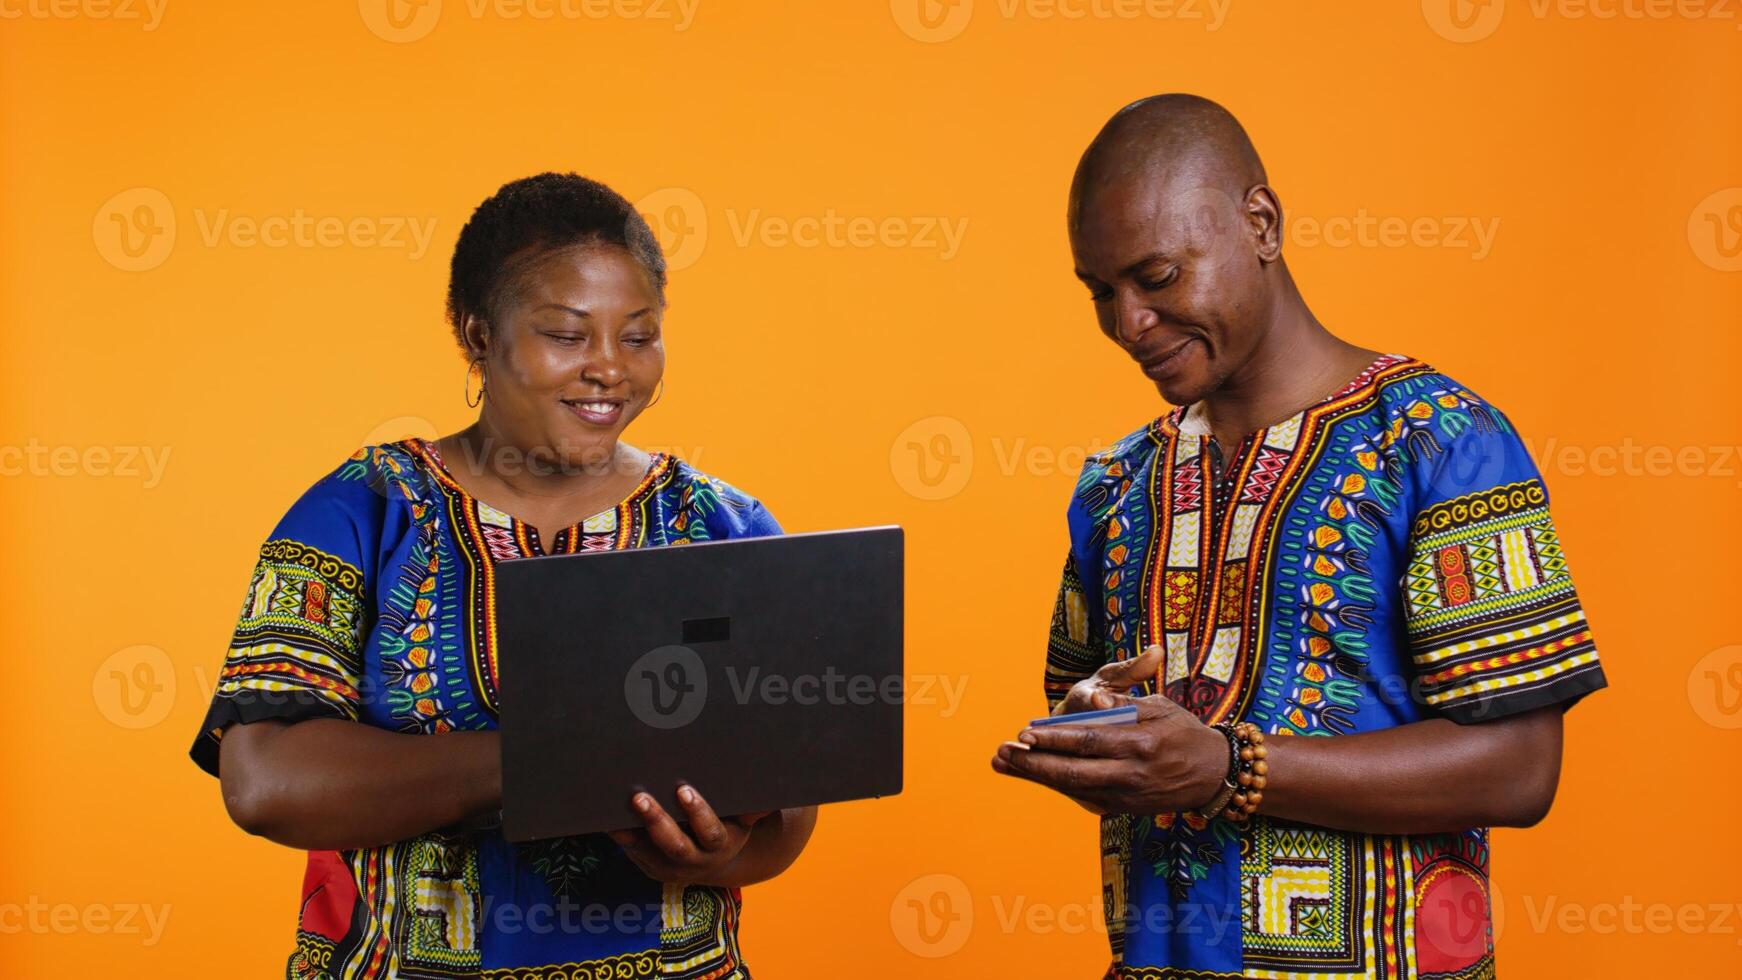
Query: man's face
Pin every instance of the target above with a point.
(1173, 269)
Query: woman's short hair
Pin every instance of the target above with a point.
(530, 218)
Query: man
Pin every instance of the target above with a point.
(1318, 541)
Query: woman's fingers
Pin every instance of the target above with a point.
(663, 831)
(642, 853)
(709, 832)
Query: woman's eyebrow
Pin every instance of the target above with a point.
(566, 308)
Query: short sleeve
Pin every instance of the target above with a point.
(759, 523)
(296, 650)
(1495, 625)
(709, 508)
(1072, 651)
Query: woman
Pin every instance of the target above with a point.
(355, 716)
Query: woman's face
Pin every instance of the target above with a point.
(576, 356)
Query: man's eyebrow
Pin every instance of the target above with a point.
(1129, 270)
(1132, 269)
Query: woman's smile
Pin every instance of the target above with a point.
(603, 412)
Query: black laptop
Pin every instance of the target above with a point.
(765, 672)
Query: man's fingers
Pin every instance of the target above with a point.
(1122, 675)
(1086, 741)
(1086, 778)
(1106, 689)
(1137, 669)
(1110, 699)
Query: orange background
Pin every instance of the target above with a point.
(1604, 314)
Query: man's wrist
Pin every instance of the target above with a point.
(1216, 772)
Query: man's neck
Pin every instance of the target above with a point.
(1298, 364)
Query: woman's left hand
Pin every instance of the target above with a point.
(664, 851)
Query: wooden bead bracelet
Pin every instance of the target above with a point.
(1243, 788)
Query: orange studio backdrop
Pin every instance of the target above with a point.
(224, 234)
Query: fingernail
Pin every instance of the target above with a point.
(686, 794)
(644, 803)
(1027, 738)
(1018, 746)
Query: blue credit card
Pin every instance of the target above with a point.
(1124, 715)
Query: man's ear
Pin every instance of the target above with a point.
(475, 330)
(1264, 220)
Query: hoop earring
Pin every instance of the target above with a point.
(657, 395)
(476, 365)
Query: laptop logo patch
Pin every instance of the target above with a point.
(666, 687)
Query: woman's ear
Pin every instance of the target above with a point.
(476, 331)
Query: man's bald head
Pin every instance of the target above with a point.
(1169, 139)
(1177, 235)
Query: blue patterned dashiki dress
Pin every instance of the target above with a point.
(372, 601)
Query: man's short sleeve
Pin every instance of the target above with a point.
(1495, 625)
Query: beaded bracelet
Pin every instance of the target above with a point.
(1243, 788)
